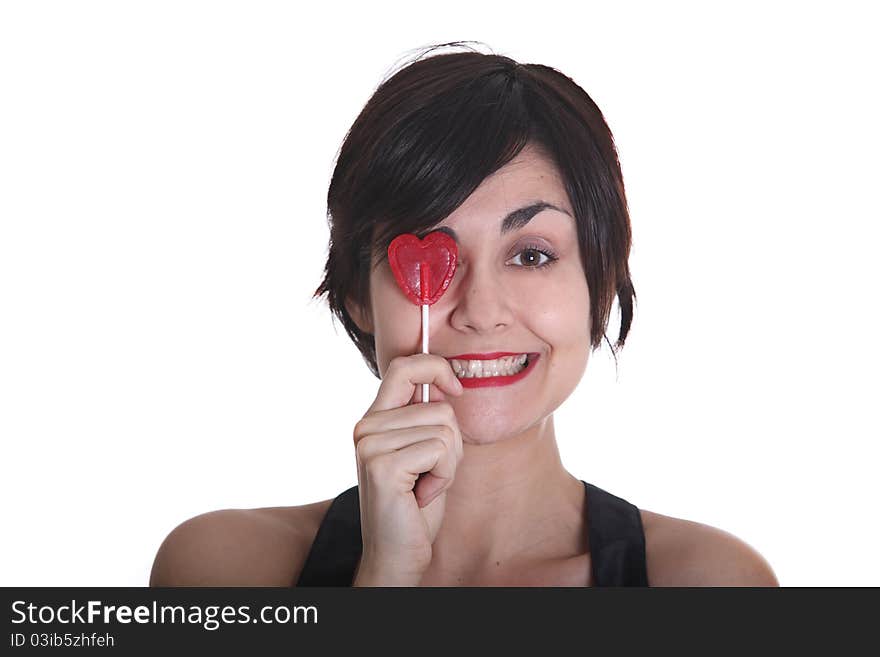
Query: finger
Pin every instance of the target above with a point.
(435, 412)
(441, 463)
(390, 441)
(434, 394)
(404, 373)
(402, 467)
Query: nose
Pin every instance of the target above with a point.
(480, 302)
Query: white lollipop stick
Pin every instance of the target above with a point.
(424, 284)
(425, 386)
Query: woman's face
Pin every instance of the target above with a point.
(501, 300)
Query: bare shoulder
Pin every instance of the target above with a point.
(239, 547)
(686, 553)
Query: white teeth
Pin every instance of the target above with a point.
(467, 369)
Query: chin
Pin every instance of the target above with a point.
(480, 439)
(477, 430)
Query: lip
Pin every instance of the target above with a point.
(490, 356)
(490, 381)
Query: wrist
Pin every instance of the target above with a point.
(369, 574)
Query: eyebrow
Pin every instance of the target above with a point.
(515, 219)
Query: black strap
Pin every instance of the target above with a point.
(617, 542)
(337, 546)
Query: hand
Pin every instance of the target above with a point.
(395, 443)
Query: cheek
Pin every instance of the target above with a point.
(560, 309)
(398, 327)
(563, 323)
(564, 328)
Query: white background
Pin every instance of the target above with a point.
(163, 177)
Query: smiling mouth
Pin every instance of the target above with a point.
(478, 368)
(476, 373)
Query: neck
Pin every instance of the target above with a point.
(511, 499)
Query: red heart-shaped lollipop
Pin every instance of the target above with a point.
(423, 268)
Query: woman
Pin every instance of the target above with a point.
(517, 164)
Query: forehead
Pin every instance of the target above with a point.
(531, 176)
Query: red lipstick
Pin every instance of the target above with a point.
(490, 356)
(487, 381)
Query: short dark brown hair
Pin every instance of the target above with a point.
(428, 137)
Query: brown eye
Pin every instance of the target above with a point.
(530, 257)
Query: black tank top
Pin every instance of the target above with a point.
(617, 542)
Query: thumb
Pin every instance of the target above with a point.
(427, 487)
